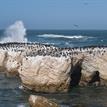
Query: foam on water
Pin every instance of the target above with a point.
(62, 36)
(21, 105)
(15, 33)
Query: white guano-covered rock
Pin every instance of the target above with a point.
(13, 62)
(3, 55)
(46, 74)
(94, 63)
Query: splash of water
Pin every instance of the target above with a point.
(15, 33)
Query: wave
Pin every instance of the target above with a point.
(15, 33)
(63, 36)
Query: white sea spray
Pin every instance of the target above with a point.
(15, 33)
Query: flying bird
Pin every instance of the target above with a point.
(75, 25)
(85, 3)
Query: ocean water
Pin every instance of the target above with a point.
(12, 96)
(66, 38)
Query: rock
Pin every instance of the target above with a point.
(54, 74)
(46, 74)
(39, 101)
(75, 73)
(2, 60)
(92, 64)
(12, 63)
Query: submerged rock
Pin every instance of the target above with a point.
(39, 101)
(46, 74)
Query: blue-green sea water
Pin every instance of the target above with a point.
(12, 96)
(69, 38)
(66, 38)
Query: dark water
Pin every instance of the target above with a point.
(12, 96)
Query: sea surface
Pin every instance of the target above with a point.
(12, 96)
(69, 38)
(66, 38)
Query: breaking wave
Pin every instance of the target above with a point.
(15, 33)
(63, 36)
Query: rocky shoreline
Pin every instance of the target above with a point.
(45, 68)
(48, 69)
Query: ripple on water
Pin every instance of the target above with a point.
(12, 96)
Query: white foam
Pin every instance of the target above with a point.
(62, 36)
(15, 33)
(21, 105)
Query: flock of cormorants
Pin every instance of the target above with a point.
(34, 49)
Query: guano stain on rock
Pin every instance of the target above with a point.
(45, 68)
